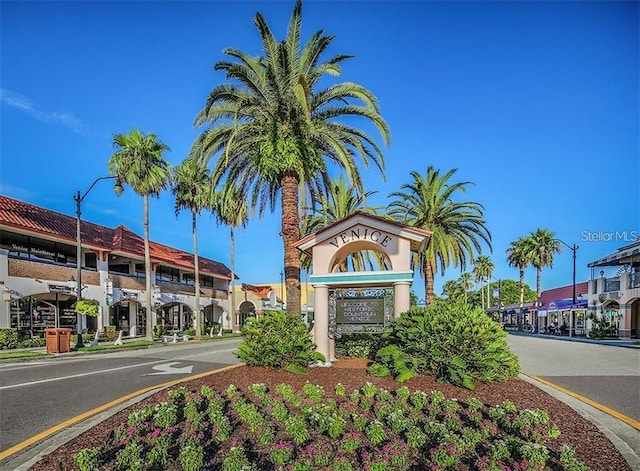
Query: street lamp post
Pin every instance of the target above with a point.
(574, 249)
(79, 198)
(282, 288)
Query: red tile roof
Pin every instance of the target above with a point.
(28, 218)
(564, 292)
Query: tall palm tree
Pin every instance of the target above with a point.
(483, 269)
(465, 281)
(518, 256)
(457, 227)
(542, 246)
(274, 132)
(138, 162)
(230, 208)
(338, 201)
(191, 186)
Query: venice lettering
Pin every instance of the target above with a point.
(361, 234)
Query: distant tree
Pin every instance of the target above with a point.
(541, 247)
(191, 187)
(509, 293)
(458, 227)
(518, 256)
(483, 269)
(230, 208)
(139, 162)
(453, 289)
(467, 284)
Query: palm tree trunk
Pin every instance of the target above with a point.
(428, 282)
(291, 235)
(521, 287)
(538, 281)
(147, 271)
(196, 264)
(233, 279)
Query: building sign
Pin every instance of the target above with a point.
(68, 317)
(363, 234)
(44, 315)
(360, 310)
(61, 289)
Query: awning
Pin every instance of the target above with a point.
(565, 304)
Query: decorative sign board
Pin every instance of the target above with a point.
(360, 310)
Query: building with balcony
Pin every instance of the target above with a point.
(38, 266)
(614, 289)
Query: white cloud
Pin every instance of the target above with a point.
(22, 103)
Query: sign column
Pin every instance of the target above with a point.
(321, 321)
(401, 297)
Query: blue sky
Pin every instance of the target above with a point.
(535, 102)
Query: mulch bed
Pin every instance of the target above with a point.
(591, 446)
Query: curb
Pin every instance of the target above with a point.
(621, 430)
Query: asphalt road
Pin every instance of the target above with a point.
(37, 395)
(605, 374)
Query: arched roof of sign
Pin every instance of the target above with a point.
(419, 238)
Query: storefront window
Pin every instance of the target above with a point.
(35, 248)
(90, 260)
(119, 268)
(16, 244)
(189, 279)
(167, 274)
(206, 281)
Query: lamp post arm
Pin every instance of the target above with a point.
(79, 199)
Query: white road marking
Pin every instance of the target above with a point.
(79, 375)
(169, 369)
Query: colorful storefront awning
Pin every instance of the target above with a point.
(564, 304)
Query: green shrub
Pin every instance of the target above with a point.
(190, 332)
(88, 307)
(279, 340)
(9, 338)
(602, 327)
(358, 345)
(158, 330)
(88, 459)
(33, 342)
(205, 329)
(454, 342)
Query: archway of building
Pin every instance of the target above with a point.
(174, 316)
(213, 317)
(128, 316)
(611, 312)
(245, 310)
